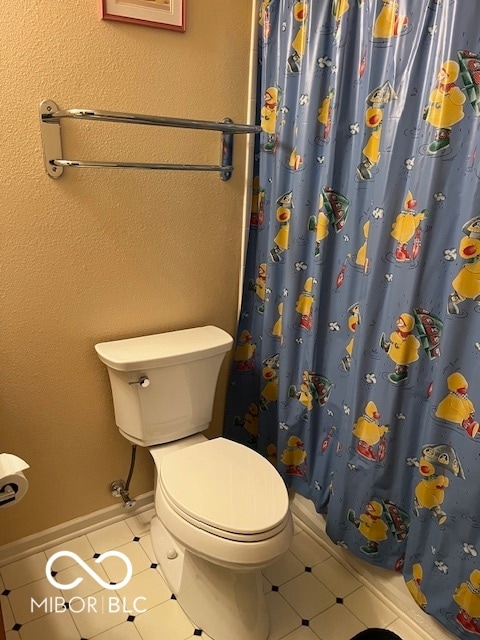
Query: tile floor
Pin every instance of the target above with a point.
(310, 595)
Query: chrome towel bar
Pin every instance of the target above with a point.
(50, 116)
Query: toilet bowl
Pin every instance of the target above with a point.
(221, 509)
(221, 515)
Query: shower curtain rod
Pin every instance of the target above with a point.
(50, 116)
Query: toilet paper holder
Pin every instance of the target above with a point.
(13, 484)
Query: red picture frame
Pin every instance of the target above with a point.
(162, 14)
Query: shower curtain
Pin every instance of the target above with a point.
(356, 364)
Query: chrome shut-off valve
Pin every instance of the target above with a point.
(118, 490)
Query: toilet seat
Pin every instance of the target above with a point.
(229, 535)
(225, 489)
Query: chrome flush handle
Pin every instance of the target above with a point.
(143, 381)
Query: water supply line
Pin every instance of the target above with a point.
(119, 488)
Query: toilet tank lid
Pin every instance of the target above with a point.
(162, 349)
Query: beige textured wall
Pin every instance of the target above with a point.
(102, 254)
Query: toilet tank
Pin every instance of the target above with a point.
(163, 385)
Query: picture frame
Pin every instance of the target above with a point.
(162, 14)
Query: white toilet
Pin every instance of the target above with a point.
(222, 510)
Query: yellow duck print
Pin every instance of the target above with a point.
(304, 394)
(270, 390)
(272, 454)
(249, 422)
(371, 526)
(281, 239)
(260, 285)
(430, 491)
(361, 258)
(414, 584)
(285, 204)
(445, 107)
(314, 386)
(268, 116)
(319, 224)
(467, 596)
(389, 23)
(378, 98)
(294, 457)
(373, 120)
(325, 113)
(244, 352)
(353, 322)
(369, 433)
(405, 228)
(295, 161)
(251, 419)
(321, 228)
(305, 303)
(456, 406)
(402, 347)
(300, 15)
(466, 285)
(264, 18)
(339, 7)
(277, 327)
(257, 209)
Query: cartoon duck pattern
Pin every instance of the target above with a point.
(355, 369)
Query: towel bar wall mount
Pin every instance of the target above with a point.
(50, 116)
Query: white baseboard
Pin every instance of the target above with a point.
(388, 586)
(73, 528)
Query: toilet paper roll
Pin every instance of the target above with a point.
(13, 484)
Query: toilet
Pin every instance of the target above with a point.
(221, 509)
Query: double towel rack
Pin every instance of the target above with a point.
(50, 116)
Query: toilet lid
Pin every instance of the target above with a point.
(225, 485)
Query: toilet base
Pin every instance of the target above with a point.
(225, 603)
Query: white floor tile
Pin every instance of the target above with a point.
(147, 598)
(97, 613)
(145, 590)
(283, 619)
(116, 568)
(23, 571)
(334, 576)
(8, 618)
(124, 631)
(87, 586)
(302, 633)
(110, 537)
(203, 637)
(307, 595)
(285, 568)
(369, 609)
(54, 626)
(146, 544)
(336, 623)
(308, 550)
(167, 620)
(24, 608)
(80, 546)
(266, 585)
